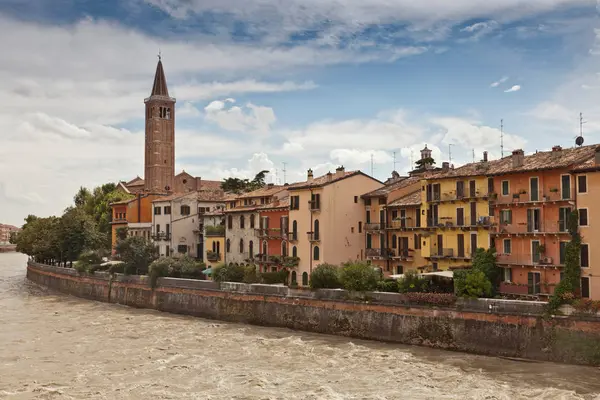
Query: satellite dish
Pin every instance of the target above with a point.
(579, 140)
(167, 187)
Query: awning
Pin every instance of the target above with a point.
(112, 263)
(445, 274)
(207, 271)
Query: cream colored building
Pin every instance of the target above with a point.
(177, 222)
(325, 219)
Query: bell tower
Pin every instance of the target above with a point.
(159, 156)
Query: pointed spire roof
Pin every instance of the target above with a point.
(160, 82)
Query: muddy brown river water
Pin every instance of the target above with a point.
(54, 346)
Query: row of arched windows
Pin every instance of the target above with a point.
(265, 248)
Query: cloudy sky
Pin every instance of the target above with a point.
(312, 83)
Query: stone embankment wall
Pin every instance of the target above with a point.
(491, 327)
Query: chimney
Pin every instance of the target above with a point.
(445, 166)
(556, 148)
(339, 172)
(270, 185)
(597, 156)
(309, 176)
(518, 156)
(485, 156)
(329, 176)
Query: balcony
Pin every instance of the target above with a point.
(271, 233)
(314, 237)
(292, 236)
(401, 254)
(453, 197)
(378, 254)
(528, 259)
(523, 198)
(535, 229)
(214, 231)
(402, 224)
(442, 253)
(161, 236)
(314, 205)
(213, 256)
(463, 223)
(374, 226)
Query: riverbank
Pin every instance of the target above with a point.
(489, 327)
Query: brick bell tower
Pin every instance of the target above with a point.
(159, 158)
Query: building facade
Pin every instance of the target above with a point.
(6, 231)
(213, 228)
(325, 217)
(272, 234)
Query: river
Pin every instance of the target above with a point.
(54, 346)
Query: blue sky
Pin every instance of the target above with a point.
(311, 83)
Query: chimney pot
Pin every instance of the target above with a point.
(518, 157)
(445, 166)
(485, 156)
(339, 171)
(309, 176)
(556, 148)
(329, 176)
(597, 156)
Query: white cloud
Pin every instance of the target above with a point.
(480, 29)
(515, 88)
(250, 118)
(201, 91)
(355, 156)
(500, 81)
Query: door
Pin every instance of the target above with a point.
(434, 215)
(473, 243)
(566, 186)
(404, 246)
(535, 251)
(585, 287)
(381, 219)
(533, 220)
(533, 282)
(563, 217)
(369, 241)
(403, 218)
(472, 189)
(461, 245)
(460, 189)
(534, 191)
(460, 216)
(440, 243)
(473, 213)
(200, 251)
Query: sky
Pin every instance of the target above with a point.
(267, 84)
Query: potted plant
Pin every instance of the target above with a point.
(554, 190)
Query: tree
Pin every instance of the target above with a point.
(137, 254)
(39, 239)
(325, 276)
(424, 162)
(229, 273)
(570, 286)
(473, 283)
(77, 232)
(239, 186)
(359, 277)
(122, 233)
(485, 261)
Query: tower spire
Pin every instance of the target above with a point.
(160, 81)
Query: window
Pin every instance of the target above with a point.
(294, 202)
(242, 222)
(533, 282)
(563, 218)
(157, 228)
(251, 249)
(394, 241)
(229, 222)
(167, 210)
(369, 241)
(418, 218)
(294, 251)
(399, 269)
(417, 240)
(585, 256)
(507, 275)
(265, 249)
(359, 226)
(316, 230)
(583, 217)
(505, 188)
(382, 201)
(562, 252)
(490, 185)
(565, 181)
(284, 249)
(315, 201)
(156, 210)
(185, 210)
(316, 253)
(304, 279)
(294, 230)
(582, 184)
(506, 246)
(241, 245)
(182, 248)
(506, 217)
(252, 221)
(585, 287)
(368, 217)
(356, 199)
(534, 194)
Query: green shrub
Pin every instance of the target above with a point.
(388, 285)
(413, 283)
(272, 278)
(251, 274)
(98, 267)
(434, 299)
(159, 268)
(359, 277)
(80, 267)
(474, 285)
(229, 273)
(117, 268)
(325, 276)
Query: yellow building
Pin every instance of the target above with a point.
(457, 215)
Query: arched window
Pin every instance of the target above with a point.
(316, 230)
(252, 218)
(241, 245)
(265, 250)
(218, 247)
(214, 247)
(242, 222)
(294, 279)
(251, 248)
(294, 251)
(304, 279)
(316, 253)
(229, 222)
(295, 230)
(284, 249)
(394, 242)
(228, 246)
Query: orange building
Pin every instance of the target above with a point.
(273, 235)
(532, 199)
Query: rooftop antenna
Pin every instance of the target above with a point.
(159, 54)
(450, 152)
(473, 155)
(579, 139)
(276, 177)
(502, 138)
(394, 161)
(371, 164)
(411, 158)
(284, 173)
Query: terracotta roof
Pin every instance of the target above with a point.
(413, 199)
(265, 191)
(281, 204)
(170, 197)
(324, 180)
(480, 168)
(387, 189)
(211, 195)
(135, 182)
(210, 184)
(544, 160)
(231, 196)
(587, 166)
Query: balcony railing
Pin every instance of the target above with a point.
(161, 236)
(403, 254)
(314, 236)
(453, 196)
(442, 253)
(292, 236)
(374, 226)
(524, 228)
(379, 253)
(407, 223)
(527, 259)
(213, 256)
(271, 233)
(523, 198)
(465, 222)
(218, 230)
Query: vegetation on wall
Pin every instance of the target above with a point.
(422, 163)
(482, 280)
(239, 186)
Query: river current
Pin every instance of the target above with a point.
(54, 346)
